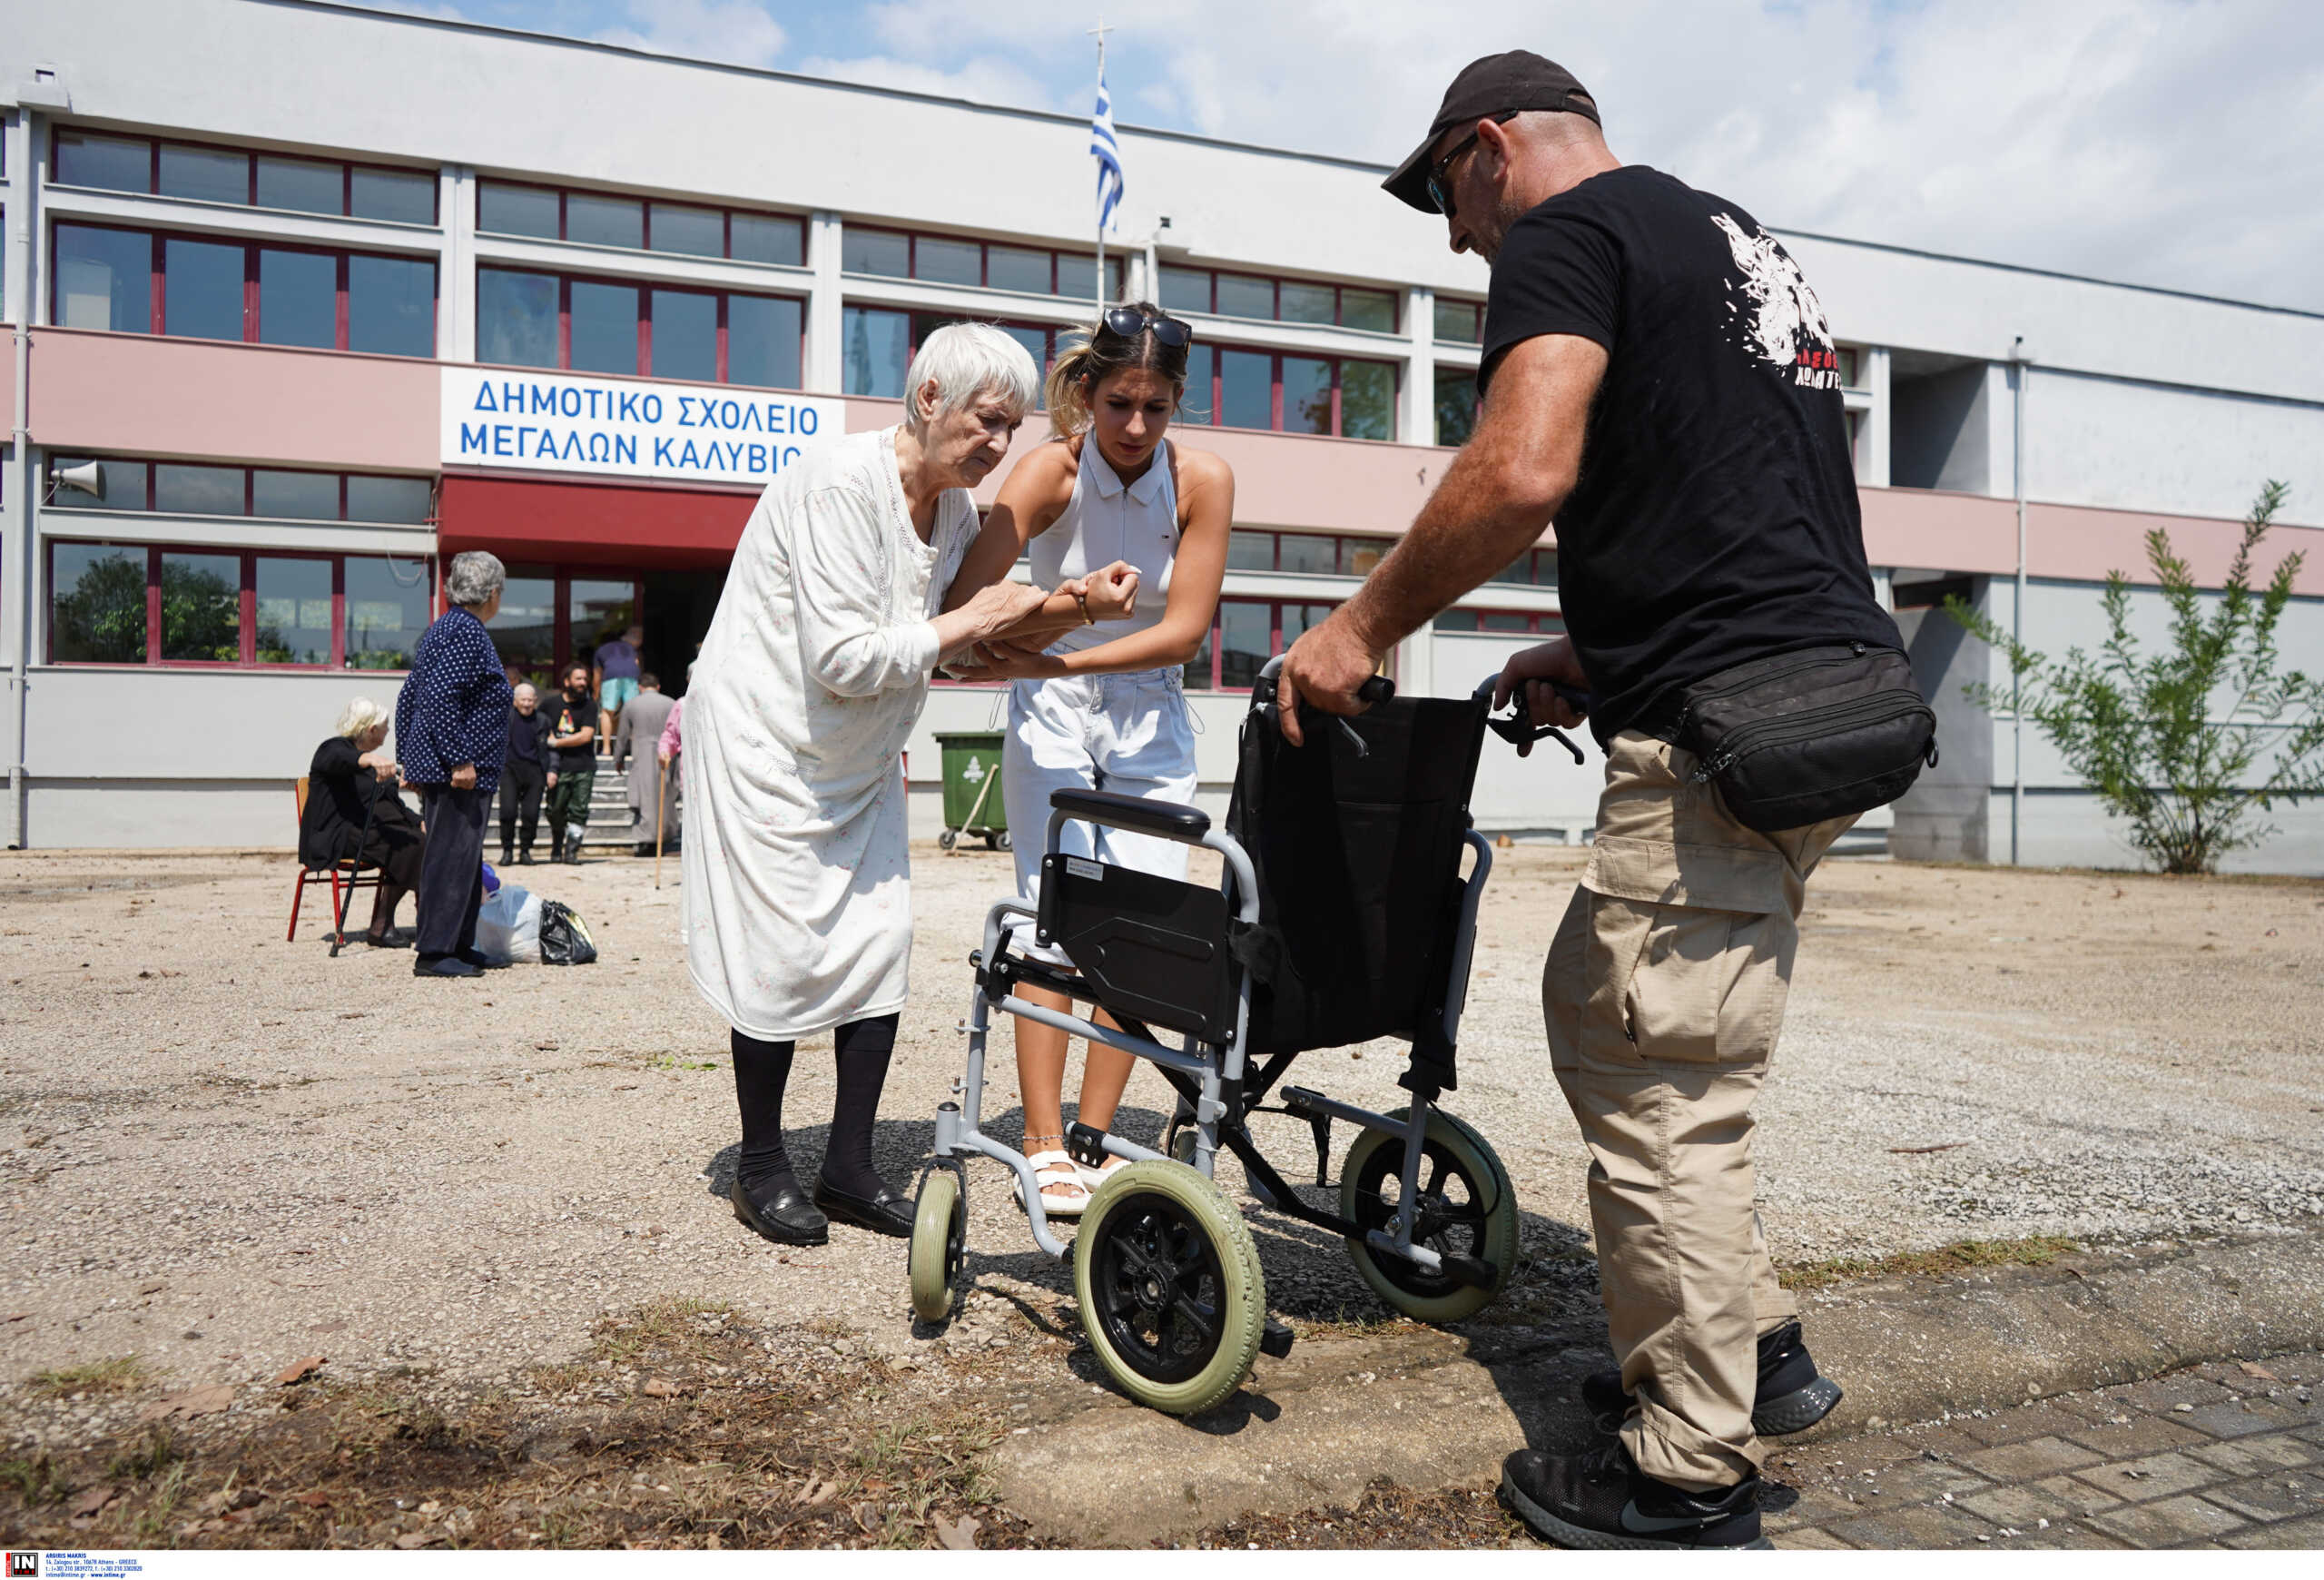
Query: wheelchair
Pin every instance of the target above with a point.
(1343, 915)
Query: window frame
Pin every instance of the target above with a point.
(1116, 266)
(157, 284)
(1538, 622)
(562, 575)
(725, 212)
(246, 606)
(1275, 282)
(1348, 544)
(250, 157)
(1213, 643)
(1274, 391)
(645, 289)
(144, 466)
(1476, 310)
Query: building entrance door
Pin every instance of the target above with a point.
(679, 605)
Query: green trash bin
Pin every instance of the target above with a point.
(972, 802)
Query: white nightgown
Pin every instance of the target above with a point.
(797, 900)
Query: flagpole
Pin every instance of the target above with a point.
(1098, 32)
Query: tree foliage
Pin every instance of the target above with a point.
(2192, 745)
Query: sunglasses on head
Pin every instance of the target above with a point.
(1127, 324)
(1438, 193)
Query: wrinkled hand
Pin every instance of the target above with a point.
(1533, 677)
(1111, 593)
(1324, 667)
(464, 776)
(388, 771)
(665, 757)
(1004, 603)
(993, 662)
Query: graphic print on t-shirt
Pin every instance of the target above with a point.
(1776, 316)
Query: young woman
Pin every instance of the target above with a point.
(1104, 708)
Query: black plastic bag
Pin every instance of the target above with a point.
(565, 937)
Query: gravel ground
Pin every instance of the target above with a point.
(222, 1152)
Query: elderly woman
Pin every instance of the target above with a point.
(351, 785)
(843, 597)
(452, 726)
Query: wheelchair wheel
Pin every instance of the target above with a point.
(939, 1232)
(948, 839)
(1172, 1298)
(1468, 1208)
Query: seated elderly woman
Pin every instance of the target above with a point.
(862, 568)
(352, 783)
(452, 727)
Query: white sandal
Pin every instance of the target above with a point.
(1093, 1177)
(1056, 1173)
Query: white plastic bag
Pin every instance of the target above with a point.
(509, 925)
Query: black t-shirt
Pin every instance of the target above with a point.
(567, 714)
(1716, 519)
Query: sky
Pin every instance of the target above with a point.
(2170, 143)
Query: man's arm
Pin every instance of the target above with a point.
(1503, 487)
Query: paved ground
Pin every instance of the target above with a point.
(220, 1151)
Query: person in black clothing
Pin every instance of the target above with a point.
(573, 737)
(524, 775)
(351, 775)
(1661, 381)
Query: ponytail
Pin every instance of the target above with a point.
(1086, 363)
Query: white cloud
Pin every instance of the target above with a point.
(737, 31)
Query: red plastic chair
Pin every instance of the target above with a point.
(343, 876)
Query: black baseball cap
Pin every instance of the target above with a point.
(1499, 85)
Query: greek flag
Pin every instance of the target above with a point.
(1108, 152)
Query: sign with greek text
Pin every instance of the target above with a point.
(566, 422)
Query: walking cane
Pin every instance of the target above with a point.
(339, 928)
(661, 820)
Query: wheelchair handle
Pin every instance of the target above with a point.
(1518, 730)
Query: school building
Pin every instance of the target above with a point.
(304, 299)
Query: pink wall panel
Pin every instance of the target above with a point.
(150, 395)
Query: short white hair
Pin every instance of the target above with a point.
(473, 578)
(360, 714)
(969, 363)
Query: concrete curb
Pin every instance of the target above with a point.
(1429, 1409)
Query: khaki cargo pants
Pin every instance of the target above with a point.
(1664, 990)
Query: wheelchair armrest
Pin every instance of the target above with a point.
(1165, 819)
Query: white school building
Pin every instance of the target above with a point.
(303, 299)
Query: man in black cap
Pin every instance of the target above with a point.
(1661, 380)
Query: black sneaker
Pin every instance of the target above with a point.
(1793, 1396)
(1599, 1501)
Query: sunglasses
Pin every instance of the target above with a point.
(1438, 193)
(1128, 323)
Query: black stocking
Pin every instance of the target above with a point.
(864, 1047)
(761, 1069)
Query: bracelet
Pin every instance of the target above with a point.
(1087, 617)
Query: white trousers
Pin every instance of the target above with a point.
(1128, 734)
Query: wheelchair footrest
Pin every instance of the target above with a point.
(1085, 1145)
(1274, 1339)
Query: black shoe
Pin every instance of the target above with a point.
(481, 960)
(780, 1213)
(526, 858)
(1599, 1501)
(393, 938)
(507, 856)
(1792, 1395)
(888, 1213)
(443, 965)
(572, 850)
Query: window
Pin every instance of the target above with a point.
(131, 604)
(1235, 388)
(1500, 622)
(1305, 553)
(1534, 568)
(236, 290)
(637, 224)
(965, 261)
(530, 320)
(1285, 301)
(1460, 323)
(552, 614)
(1457, 407)
(202, 172)
(189, 488)
(879, 344)
(1243, 635)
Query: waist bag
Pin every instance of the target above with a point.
(1822, 733)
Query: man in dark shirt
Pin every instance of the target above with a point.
(524, 776)
(1661, 380)
(573, 740)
